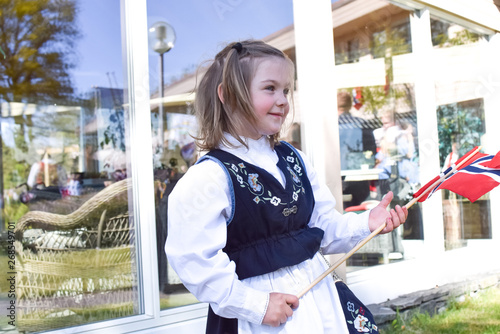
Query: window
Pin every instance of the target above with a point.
(378, 125)
(362, 36)
(173, 114)
(446, 34)
(379, 153)
(64, 161)
(461, 127)
(394, 39)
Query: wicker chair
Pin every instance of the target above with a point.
(76, 268)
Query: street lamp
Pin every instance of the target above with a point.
(161, 38)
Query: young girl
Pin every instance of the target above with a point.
(246, 223)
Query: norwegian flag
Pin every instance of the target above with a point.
(472, 180)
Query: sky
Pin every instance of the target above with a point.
(201, 28)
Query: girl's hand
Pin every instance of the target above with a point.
(393, 218)
(280, 308)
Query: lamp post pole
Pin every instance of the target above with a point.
(161, 40)
(160, 105)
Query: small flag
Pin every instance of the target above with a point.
(472, 180)
(442, 176)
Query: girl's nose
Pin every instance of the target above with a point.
(282, 100)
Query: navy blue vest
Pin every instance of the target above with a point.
(268, 229)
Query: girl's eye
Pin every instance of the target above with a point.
(286, 91)
(271, 88)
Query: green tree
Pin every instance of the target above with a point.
(38, 38)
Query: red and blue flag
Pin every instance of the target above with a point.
(472, 180)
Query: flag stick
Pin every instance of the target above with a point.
(380, 228)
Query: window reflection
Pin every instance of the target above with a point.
(378, 138)
(64, 165)
(183, 64)
(461, 127)
(376, 35)
(447, 34)
(379, 153)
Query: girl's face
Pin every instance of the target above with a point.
(269, 90)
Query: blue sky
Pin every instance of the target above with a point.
(201, 27)
(99, 48)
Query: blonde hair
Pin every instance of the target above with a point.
(233, 68)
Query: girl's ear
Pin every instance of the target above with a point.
(219, 93)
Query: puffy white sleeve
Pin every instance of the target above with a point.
(197, 211)
(342, 231)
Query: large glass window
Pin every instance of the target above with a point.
(379, 153)
(173, 122)
(377, 123)
(461, 127)
(64, 162)
(460, 123)
(378, 34)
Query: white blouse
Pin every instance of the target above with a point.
(198, 208)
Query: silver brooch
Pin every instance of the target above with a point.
(288, 211)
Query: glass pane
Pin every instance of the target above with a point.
(461, 127)
(377, 123)
(173, 121)
(64, 161)
(369, 36)
(447, 34)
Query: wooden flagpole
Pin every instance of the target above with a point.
(381, 227)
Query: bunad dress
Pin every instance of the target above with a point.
(255, 223)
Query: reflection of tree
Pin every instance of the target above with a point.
(38, 38)
(394, 38)
(374, 98)
(442, 37)
(461, 123)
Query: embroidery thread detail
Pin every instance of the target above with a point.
(252, 183)
(361, 323)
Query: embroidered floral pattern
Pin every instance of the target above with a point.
(293, 161)
(294, 176)
(252, 183)
(275, 201)
(361, 323)
(297, 168)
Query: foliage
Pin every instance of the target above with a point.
(374, 98)
(14, 211)
(38, 39)
(391, 41)
(461, 123)
(464, 37)
(441, 36)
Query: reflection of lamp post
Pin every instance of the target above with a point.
(161, 40)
